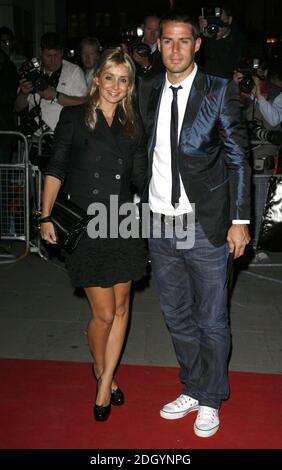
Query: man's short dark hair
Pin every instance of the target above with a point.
(51, 40)
(5, 31)
(180, 17)
(225, 6)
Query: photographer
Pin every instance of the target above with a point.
(264, 101)
(89, 55)
(222, 43)
(151, 33)
(141, 54)
(57, 83)
(261, 92)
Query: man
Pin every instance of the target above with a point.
(66, 85)
(214, 174)
(151, 32)
(89, 53)
(222, 50)
(7, 44)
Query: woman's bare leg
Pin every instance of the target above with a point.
(106, 332)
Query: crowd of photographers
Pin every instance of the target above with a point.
(37, 89)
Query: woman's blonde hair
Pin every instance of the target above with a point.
(127, 116)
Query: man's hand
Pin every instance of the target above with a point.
(48, 94)
(238, 237)
(203, 25)
(256, 91)
(25, 86)
(237, 76)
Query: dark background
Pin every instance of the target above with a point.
(258, 19)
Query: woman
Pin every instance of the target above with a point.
(99, 151)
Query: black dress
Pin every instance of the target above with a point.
(105, 262)
(96, 165)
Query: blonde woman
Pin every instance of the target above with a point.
(99, 152)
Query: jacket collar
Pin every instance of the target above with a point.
(197, 93)
(107, 135)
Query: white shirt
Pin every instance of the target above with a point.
(71, 82)
(160, 184)
(89, 76)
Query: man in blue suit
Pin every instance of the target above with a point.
(209, 168)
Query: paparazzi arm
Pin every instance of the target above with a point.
(203, 26)
(271, 112)
(51, 94)
(21, 101)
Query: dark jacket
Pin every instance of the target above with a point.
(8, 86)
(213, 148)
(95, 164)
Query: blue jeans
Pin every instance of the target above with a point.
(193, 298)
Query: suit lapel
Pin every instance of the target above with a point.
(153, 111)
(104, 133)
(197, 93)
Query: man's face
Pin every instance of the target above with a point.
(89, 56)
(151, 30)
(6, 44)
(52, 59)
(227, 20)
(178, 47)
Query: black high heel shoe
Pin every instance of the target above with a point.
(101, 412)
(117, 397)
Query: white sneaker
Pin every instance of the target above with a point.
(207, 421)
(179, 407)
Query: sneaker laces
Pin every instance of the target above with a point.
(182, 400)
(207, 413)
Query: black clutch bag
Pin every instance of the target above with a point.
(70, 222)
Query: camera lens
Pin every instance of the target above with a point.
(246, 84)
(212, 29)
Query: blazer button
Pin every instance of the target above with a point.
(120, 161)
(117, 177)
(96, 175)
(95, 191)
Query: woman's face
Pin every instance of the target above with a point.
(114, 84)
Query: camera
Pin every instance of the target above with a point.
(248, 67)
(212, 15)
(30, 70)
(140, 48)
(129, 34)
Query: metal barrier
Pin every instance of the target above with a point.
(14, 198)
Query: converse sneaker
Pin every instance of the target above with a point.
(207, 421)
(179, 407)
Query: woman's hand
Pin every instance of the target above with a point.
(47, 232)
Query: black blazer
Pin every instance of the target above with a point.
(94, 164)
(213, 148)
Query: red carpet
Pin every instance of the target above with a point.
(46, 404)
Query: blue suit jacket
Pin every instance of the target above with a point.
(213, 148)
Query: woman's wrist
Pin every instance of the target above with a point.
(45, 219)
